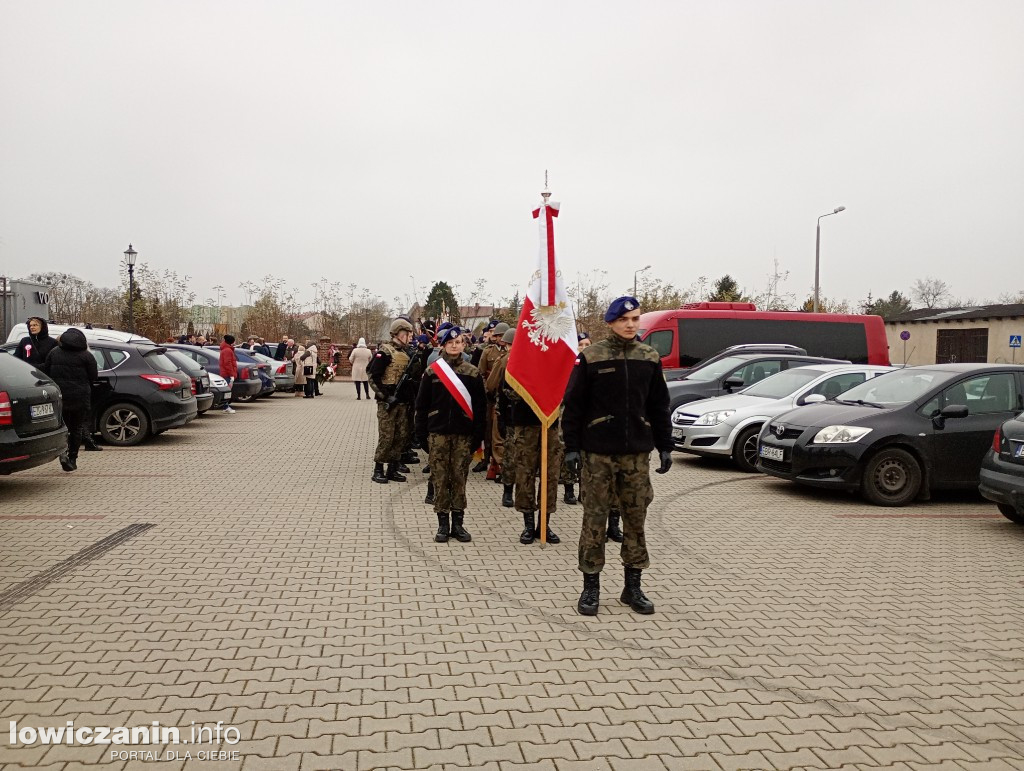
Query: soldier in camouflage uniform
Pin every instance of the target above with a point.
(520, 466)
(488, 359)
(450, 430)
(385, 371)
(616, 410)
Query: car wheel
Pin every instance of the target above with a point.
(124, 425)
(1011, 513)
(891, 478)
(744, 452)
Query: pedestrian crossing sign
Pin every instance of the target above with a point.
(1015, 341)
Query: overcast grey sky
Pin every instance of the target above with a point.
(369, 142)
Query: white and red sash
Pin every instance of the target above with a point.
(455, 386)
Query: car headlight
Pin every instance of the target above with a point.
(840, 435)
(713, 418)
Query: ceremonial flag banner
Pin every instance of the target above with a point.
(544, 351)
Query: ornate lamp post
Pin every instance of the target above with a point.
(130, 255)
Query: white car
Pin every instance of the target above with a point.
(20, 330)
(728, 425)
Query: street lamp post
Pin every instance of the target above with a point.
(635, 272)
(817, 252)
(130, 255)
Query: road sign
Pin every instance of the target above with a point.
(904, 336)
(1015, 341)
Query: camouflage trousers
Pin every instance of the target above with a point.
(608, 479)
(450, 456)
(393, 433)
(522, 465)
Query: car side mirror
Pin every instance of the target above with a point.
(954, 411)
(813, 399)
(733, 383)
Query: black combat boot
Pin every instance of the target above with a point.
(550, 536)
(591, 597)
(443, 528)
(393, 475)
(67, 463)
(89, 443)
(429, 498)
(529, 525)
(410, 457)
(481, 466)
(401, 468)
(426, 468)
(613, 532)
(633, 595)
(506, 497)
(378, 474)
(570, 495)
(459, 533)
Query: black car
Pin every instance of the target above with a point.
(247, 385)
(200, 378)
(262, 370)
(1002, 470)
(678, 373)
(31, 431)
(896, 436)
(731, 373)
(140, 392)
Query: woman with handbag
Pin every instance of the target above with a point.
(300, 373)
(309, 365)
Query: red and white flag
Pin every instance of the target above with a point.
(545, 347)
(454, 385)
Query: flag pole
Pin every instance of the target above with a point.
(543, 484)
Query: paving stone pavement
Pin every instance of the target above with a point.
(282, 593)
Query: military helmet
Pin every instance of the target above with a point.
(509, 335)
(400, 325)
(499, 329)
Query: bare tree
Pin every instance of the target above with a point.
(930, 292)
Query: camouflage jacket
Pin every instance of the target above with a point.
(617, 400)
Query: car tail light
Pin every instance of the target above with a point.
(193, 385)
(997, 438)
(282, 370)
(244, 374)
(6, 410)
(163, 382)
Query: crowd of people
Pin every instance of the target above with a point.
(441, 392)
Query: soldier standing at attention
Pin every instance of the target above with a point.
(450, 422)
(394, 399)
(614, 413)
(492, 353)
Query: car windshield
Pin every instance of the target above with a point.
(716, 369)
(783, 384)
(896, 388)
(183, 362)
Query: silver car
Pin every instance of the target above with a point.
(728, 425)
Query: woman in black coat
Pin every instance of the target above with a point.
(35, 346)
(72, 367)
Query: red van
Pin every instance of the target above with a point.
(687, 335)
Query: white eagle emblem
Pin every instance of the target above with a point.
(548, 323)
(628, 305)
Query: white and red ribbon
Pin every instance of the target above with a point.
(455, 386)
(548, 279)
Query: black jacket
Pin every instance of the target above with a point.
(73, 368)
(437, 412)
(617, 400)
(35, 348)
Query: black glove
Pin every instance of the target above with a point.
(666, 461)
(573, 463)
(391, 401)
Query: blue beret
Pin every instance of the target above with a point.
(451, 333)
(445, 325)
(582, 336)
(619, 307)
(423, 339)
(491, 324)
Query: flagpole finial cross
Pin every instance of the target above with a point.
(547, 193)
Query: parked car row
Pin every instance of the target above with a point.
(142, 389)
(893, 435)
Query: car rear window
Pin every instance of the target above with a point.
(17, 373)
(160, 362)
(183, 362)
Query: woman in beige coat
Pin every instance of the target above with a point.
(300, 378)
(360, 357)
(311, 360)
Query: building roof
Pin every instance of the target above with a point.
(475, 311)
(959, 314)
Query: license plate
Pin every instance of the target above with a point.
(40, 410)
(206, 382)
(677, 433)
(1020, 451)
(770, 453)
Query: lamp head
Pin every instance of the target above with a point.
(130, 255)
(839, 209)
